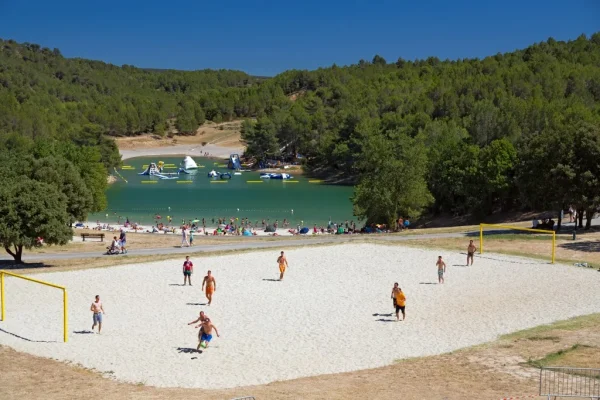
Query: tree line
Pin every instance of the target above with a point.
(512, 131)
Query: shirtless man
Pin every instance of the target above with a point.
(471, 249)
(201, 318)
(441, 265)
(211, 286)
(206, 333)
(283, 264)
(98, 310)
(399, 301)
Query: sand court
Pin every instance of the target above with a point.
(332, 313)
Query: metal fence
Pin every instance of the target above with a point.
(570, 382)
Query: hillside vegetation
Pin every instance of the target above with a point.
(510, 131)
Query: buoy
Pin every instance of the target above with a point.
(315, 181)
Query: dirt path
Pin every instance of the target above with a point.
(219, 140)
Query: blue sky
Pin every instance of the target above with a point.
(268, 37)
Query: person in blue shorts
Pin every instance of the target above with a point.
(206, 336)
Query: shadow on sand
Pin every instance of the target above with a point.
(84, 332)
(271, 280)
(428, 283)
(588, 247)
(196, 304)
(188, 350)
(26, 339)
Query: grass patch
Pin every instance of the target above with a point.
(571, 324)
(553, 358)
(542, 338)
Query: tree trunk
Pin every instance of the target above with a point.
(17, 254)
(559, 221)
(579, 221)
(589, 215)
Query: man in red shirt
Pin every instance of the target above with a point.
(188, 269)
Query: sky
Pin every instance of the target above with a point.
(268, 37)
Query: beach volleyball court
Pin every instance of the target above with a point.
(332, 313)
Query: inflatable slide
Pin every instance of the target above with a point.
(234, 162)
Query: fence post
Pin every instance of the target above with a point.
(2, 293)
(480, 238)
(553, 246)
(65, 316)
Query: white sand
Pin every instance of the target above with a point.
(320, 319)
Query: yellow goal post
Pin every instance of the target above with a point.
(518, 228)
(65, 298)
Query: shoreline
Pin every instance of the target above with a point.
(214, 151)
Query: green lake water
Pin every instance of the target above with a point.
(312, 203)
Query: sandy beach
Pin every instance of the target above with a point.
(214, 151)
(332, 313)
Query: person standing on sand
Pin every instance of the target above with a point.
(399, 301)
(471, 249)
(283, 264)
(206, 333)
(441, 266)
(211, 286)
(184, 239)
(123, 240)
(98, 310)
(188, 270)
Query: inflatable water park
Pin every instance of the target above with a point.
(221, 175)
(275, 176)
(157, 169)
(189, 166)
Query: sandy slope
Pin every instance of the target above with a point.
(331, 314)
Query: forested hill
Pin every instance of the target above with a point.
(472, 135)
(508, 131)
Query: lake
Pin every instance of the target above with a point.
(140, 201)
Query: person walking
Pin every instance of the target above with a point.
(471, 249)
(123, 240)
(184, 239)
(399, 301)
(188, 270)
(283, 264)
(441, 266)
(98, 310)
(211, 286)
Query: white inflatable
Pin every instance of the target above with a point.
(213, 174)
(189, 163)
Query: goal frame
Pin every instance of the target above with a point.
(65, 298)
(518, 228)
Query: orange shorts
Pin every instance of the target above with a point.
(210, 290)
(282, 268)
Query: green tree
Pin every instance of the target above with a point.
(30, 210)
(392, 180)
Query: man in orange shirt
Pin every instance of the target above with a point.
(399, 301)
